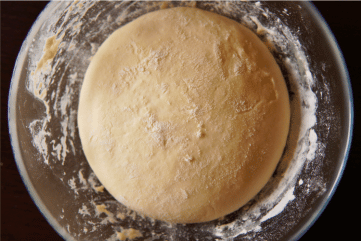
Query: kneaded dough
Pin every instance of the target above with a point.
(183, 115)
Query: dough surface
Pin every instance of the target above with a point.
(183, 115)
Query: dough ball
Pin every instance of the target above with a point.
(183, 115)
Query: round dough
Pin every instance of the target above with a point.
(183, 115)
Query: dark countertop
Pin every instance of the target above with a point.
(20, 218)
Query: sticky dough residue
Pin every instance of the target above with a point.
(58, 62)
(129, 234)
(50, 50)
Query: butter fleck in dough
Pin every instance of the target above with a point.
(183, 115)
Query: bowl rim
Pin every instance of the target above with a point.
(346, 81)
(51, 6)
(13, 132)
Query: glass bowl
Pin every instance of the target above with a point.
(43, 105)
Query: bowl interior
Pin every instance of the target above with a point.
(43, 122)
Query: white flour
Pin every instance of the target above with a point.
(97, 216)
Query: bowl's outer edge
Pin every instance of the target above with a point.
(12, 119)
(350, 110)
